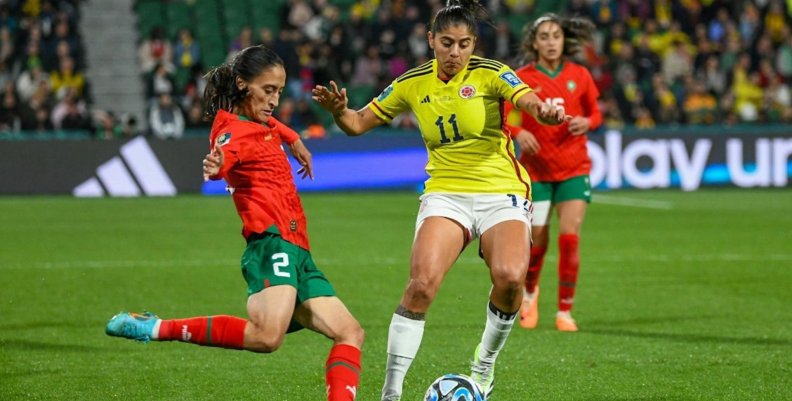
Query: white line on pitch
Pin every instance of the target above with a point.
(632, 202)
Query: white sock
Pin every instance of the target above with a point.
(404, 338)
(528, 296)
(155, 330)
(496, 331)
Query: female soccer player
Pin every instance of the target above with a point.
(556, 157)
(476, 186)
(286, 291)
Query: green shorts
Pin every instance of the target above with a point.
(270, 260)
(559, 191)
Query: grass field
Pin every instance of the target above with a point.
(686, 297)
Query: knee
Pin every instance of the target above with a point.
(352, 335)
(420, 293)
(509, 278)
(264, 343)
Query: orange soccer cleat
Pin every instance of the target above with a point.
(529, 310)
(564, 322)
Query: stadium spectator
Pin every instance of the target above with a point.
(155, 50)
(9, 111)
(700, 106)
(166, 119)
(106, 126)
(286, 291)
(7, 45)
(65, 78)
(368, 69)
(129, 127)
(677, 63)
(70, 109)
(194, 119)
(556, 157)
(187, 51)
(783, 60)
(159, 82)
(459, 177)
(29, 80)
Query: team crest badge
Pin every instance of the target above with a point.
(224, 139)
(467, 91)
(571, 86)
(293, 225)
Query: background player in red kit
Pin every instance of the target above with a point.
(556, 157)
(286, 291)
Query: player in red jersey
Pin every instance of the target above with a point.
(286, 291)
(556, 157)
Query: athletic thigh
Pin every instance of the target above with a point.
(570, 216)
(271, 309)
(438, 243)
(506, 248)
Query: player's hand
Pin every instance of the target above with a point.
(527, 142)
(212, 162)
(331, 99)
(579, 125)
(550, 114)
(303, 156)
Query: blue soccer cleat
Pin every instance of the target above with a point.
(134, 326)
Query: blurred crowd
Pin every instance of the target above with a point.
(656, 62)
(42, 63)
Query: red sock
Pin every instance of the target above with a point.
(214, 331)
(535, 267)
(342, 373)
(568, 264)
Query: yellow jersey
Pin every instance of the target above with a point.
(462, 125)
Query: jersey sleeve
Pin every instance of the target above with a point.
(287, 134)
(512, 119)
(589, 102)
(391, 102)
(230, 149)
(509, 86)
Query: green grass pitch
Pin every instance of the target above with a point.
(685, 297)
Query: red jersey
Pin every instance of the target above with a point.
(561, 155)
(258, 172)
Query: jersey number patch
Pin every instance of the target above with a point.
(282, 260)
(556, 101)
(452, 120)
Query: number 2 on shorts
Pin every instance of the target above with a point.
(281, 260)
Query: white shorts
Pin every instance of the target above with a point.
(477, 213)
(541, 212)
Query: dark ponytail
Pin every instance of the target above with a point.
(577, 30)
(465, 12)
(221, 91)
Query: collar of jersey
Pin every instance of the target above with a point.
(436, 70)
(269, 123)
(551, 74)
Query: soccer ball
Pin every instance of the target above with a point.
(453, 387)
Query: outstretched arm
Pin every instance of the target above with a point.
(352, 122)
(544, 113)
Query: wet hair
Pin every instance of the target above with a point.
(576, 31)
(464, 12)
(221, 91)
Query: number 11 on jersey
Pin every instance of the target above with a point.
(451, 120)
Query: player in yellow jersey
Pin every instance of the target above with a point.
(476, 186)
